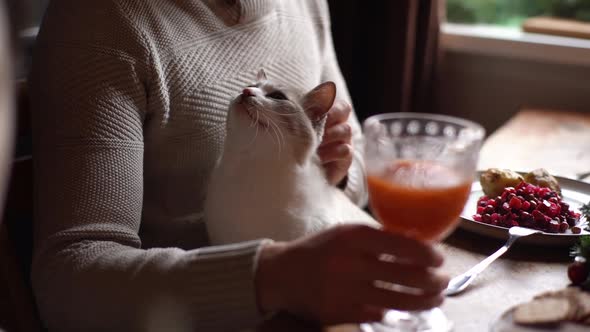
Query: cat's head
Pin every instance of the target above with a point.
(273, 119)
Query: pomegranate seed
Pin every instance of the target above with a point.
(525, 216)
(538, 215)
(533, 205)
(489, 209)
(477, 217)
(544, 206)
(571, 221)
(553, 226)
(563, 226)
(515, 203)
(514, 223)
(554, 210)
(486, 218)
(480, 209)
(505, 207)
(526, 205)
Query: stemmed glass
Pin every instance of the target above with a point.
(419, 172)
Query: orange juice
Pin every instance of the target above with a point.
(421, 199)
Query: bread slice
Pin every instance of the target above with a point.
(546, 310)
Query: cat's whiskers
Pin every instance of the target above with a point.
(280, 132)
(276, 132)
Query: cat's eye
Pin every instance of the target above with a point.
(278, 95)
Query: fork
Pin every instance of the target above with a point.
(460, 282)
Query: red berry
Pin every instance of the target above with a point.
(578, 272)
(477, 217)
(563, 226)
(515, 203)
(554, 210)
(480, 209)
(526, 205)
(553, 226)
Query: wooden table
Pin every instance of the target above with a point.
(558, 141)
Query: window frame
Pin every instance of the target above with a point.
(514, 43)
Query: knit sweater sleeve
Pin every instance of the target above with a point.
(89, 270)
(356, 188)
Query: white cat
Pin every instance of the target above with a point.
(268, 182)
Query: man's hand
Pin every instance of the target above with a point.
(329, 276)
(335, 151)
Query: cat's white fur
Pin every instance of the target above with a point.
(269, 184)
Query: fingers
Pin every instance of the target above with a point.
(338, 133)
(334, 152)
(406, 275)
(377, 242)
(339, 113)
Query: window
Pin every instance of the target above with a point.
(525, 29)
(513, 12)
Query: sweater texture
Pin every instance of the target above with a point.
(129, 105)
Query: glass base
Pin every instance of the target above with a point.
(433, 320)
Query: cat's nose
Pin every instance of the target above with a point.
(247, 92)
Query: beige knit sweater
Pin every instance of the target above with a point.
(130, 99)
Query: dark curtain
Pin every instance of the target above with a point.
(388, 52)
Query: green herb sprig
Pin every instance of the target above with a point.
(582, 248)
(585, 209)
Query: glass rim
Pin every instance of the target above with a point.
(479, 129)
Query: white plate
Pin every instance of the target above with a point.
(575, 193)
(505, 324)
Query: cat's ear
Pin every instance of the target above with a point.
(319, 100)
(261, 75)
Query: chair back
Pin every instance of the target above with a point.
(17, 306)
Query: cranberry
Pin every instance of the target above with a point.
(525, 216)
(554, 210)
(538, 215)
(571, 221)
(578, 272)
(564, 206)
(515, 203)
(553, 226)
(543, 192)
(506, 207)
(533, 205)
(526, 206)
(563, 226)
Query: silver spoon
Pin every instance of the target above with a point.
(460, 282)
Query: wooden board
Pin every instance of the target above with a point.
(558, 141)
(558, 27)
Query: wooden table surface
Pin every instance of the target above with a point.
(558, 141)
